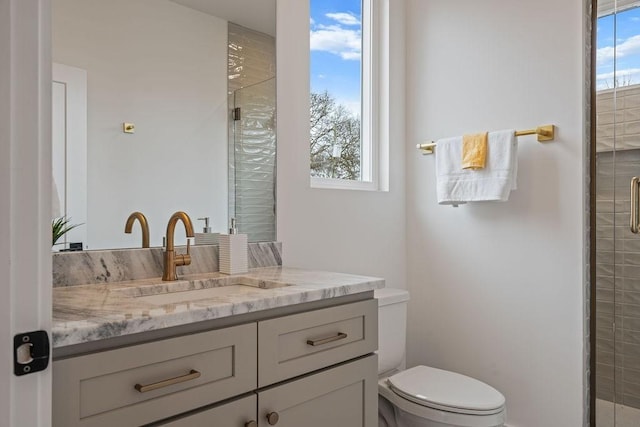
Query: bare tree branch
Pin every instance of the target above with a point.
(335, 139)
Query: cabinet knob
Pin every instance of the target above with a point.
(251, 424)
(273, 418)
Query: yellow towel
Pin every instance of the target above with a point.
(474, 151)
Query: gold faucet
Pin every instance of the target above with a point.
(143, 224)
(171, 260)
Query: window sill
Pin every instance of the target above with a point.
(343, 184)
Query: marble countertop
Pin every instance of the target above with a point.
(87, 313)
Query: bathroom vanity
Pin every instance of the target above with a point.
(275, 346)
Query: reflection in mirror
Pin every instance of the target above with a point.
(163, 67)
(252, 134)
(69, 150)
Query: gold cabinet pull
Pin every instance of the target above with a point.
(273, 418)
(251, 423)
(635, 208)
(322, 341)
(192, 375)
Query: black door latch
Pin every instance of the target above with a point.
(30, 352)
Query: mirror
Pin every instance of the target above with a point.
(144, 94)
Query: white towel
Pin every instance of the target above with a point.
(493, 183)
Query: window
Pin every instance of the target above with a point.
(344, 148)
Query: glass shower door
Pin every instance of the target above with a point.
(617, 281)
(252, 160)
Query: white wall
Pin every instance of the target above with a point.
(339, 230)
(163, 67)
(497, 288)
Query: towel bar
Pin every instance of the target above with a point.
(545, 133)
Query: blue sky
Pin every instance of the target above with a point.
(618, 44)
(336, 28)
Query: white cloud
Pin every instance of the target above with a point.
(628, 47)
(337, 40)
(344, 18)
(604, 54)
(351, 56)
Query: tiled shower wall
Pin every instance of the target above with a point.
(252, 140)
(618, 119)
(618, 250)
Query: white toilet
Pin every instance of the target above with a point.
(422, 396)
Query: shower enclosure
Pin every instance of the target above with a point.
(252, 165)
(252, 132)
(617, 267)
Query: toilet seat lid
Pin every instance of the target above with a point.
(446, 391)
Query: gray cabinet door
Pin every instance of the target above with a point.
(238, 413)
(343, 396)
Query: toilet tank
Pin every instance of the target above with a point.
(392, 329)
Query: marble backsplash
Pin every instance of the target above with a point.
(121, 265)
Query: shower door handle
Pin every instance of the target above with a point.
(635, 208)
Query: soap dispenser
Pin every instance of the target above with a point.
(233, 251)
(206, 237)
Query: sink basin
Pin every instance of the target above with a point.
(199, 289)
(200, 294)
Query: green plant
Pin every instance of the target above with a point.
(59, 227)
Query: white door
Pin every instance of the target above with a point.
(25, 202)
